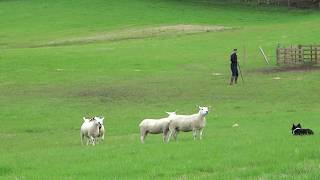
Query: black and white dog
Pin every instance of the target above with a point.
(298, 130)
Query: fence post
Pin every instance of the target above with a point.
(300, 53)
(285, 56)
(295, 55)
(291, 55)
(311, 53)
(316, 54)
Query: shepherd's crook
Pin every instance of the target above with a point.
(240, 73)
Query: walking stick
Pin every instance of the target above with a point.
(240, 73)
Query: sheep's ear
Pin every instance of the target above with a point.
(171, 113)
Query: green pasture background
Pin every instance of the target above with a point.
(45, 91)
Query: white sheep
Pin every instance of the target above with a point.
(90, 130)
(100, 137)
(195, 123)
(101, 129)
(155, 126)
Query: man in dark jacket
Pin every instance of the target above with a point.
(234, 67)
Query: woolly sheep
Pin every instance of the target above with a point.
(90, 130)
(186, 123)
(101, 129)
(155, 126)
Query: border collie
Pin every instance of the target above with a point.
(298, 130)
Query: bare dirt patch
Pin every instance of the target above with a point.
(138, 33)
(113, 94)
(300, 68)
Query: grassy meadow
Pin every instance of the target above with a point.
(47, 88)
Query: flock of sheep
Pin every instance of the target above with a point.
(93, 129)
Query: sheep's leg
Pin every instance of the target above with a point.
(102, 138)
(99, 139)
(175, 135)
(90, 140)
(142, 139)
(93, 141)
(194, 131)
(201, 131)
(170, 134)
(165, 136)
(143, 136)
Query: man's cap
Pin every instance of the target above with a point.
(235, 49)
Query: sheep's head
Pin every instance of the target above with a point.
(100, 125)
(97, 123)
(99, 119)
(171, 114)
(203, 110)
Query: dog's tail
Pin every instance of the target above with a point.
(310, 132)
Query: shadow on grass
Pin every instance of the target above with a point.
(290, 68)
(5, 170)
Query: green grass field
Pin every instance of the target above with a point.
(47, 89)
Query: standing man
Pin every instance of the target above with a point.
(234, 67)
